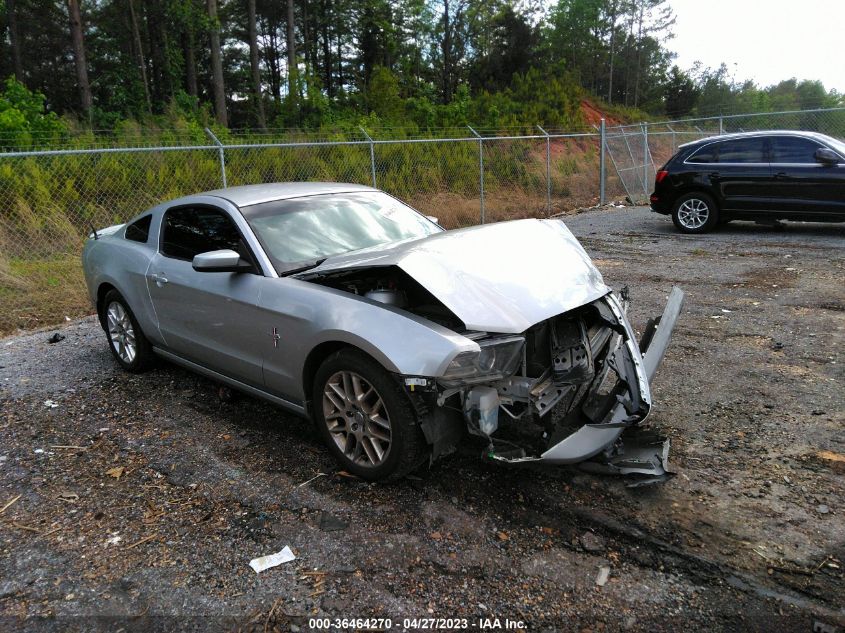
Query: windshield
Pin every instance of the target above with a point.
(300, 232)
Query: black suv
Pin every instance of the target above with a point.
(761, 176)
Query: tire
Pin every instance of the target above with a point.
(695, 213)
(373, 434)
(127, 342)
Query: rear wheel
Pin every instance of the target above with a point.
(365, 418)
(127, 342)
(695, 213)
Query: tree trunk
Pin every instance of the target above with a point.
(612, 51)
(12, 20)
(327, 49)
(628, 45)
(447, 53)
(291, 51)
(142, 65)
(271, 53)
(639, 58)
(216, 65)
(253, 63)
(190, 63)
(79, 56)
(306, 41)
(339, 62)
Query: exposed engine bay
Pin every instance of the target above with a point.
(394, 287)
(562, 392)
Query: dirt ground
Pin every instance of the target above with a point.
(136, 502)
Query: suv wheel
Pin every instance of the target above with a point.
(695, 213)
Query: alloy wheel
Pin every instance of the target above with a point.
(357, 418)
(693, 213)
(121, 332)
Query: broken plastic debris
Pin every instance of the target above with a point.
(604, 574)
(266, 562)
(50, 404)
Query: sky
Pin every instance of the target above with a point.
(763, 40)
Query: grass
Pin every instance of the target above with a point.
(36, 293)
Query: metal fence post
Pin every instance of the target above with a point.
(721, 126)
(602, 159)
(674, 140)
(220, 151)
(480, 168)
(645, 159)
(372, 154)
(548, 169)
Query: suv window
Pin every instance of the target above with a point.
(189, 231)
(139, 230)
(745, 150)
(793, 149)
(706, 154)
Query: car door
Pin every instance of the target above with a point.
(803, 187)
(741, 175)
(206, 317)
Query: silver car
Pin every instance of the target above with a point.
(397, 337)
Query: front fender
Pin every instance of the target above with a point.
(308, 315)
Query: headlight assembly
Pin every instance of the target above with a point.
(498, 358)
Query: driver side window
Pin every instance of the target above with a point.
(189, 231)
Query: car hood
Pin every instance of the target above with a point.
(502, 277)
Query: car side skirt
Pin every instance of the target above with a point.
(231, 382)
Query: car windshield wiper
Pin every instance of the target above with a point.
(300, 269)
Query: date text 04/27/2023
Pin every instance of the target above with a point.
(418, 624)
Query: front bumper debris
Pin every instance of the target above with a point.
(603, 441)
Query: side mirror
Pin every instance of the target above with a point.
(222, 261)
(827, 156)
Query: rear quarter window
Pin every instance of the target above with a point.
(706, 154)
(742, 150)
(139, 230)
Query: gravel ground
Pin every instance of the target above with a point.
(141, 499)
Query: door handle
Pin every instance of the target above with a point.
(159, 279)
(781, 175)
(713, 175)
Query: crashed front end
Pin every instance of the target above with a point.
(563, 392)
(549, 369)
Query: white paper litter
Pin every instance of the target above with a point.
(272, 560)
(604, 574)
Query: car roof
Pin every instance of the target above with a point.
(726, 137)
(246, 195)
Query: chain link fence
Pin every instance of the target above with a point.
(51, 199)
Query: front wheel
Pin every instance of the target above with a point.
(365, 418)
(126, 340)
(695, 213)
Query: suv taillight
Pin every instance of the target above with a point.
(659, 176)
